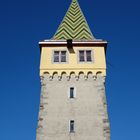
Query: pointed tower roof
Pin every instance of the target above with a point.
(74, 25)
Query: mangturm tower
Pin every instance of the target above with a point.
(73, 71)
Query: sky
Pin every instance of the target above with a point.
(23, 23)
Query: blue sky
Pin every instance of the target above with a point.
(24, 23)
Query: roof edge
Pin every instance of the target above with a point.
(64, 42)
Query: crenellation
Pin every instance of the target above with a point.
(74, 71)
(80, 76)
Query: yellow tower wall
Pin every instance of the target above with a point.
(48, 66)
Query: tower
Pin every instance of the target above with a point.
(73, 70)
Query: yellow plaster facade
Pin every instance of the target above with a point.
(72, 65)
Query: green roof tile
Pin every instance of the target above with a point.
(74, 25)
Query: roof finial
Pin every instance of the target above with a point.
(74, 0)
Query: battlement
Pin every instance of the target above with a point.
(73, 76)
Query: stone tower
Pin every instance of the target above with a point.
(72, 71)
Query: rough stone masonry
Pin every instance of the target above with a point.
(88, 109)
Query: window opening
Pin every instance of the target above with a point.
(85, 56)
(71, 126)
(59, 56)
(88, 56)
(72, 92)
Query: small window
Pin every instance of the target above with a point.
(88, 56)
(81, 56)
(71, 126)
(59, 56)
(72, 92)
(85, 56)
(63, 56)
(56, 56)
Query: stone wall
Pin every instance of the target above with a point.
(88, 109)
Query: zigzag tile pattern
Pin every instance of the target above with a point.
(74, 25)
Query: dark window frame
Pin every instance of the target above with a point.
(71, 93)
(72, 125)
(85, 56)
(60, 56)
